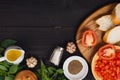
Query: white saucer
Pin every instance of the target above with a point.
(81, 75)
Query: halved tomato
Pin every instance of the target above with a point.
(89, 38)
(26, 75)
(107, 52)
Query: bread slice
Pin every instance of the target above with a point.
(116, 14)
(112, 36)
(94, 61)
(105, 22)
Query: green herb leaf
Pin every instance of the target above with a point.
(62, 77)
(20, 67)
(49, 73)
(5, 63)
(43, 65)
(9, 78)
(13, 69)
(3, 68)
(51, 70)
(60, 71)
(3, 73)
(39, 74)
(7, 42)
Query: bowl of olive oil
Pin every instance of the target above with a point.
(13, 54)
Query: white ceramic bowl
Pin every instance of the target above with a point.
(82, 74)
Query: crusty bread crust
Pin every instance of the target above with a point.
(115, 20)
(95, 58)
(105, 36)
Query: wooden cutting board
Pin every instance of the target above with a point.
(89, 23)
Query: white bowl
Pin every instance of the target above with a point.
(82, 74)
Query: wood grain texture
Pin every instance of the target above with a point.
(89, 23)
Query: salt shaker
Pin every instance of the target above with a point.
(56, 55)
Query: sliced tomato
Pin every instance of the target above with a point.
(107, 52)
(89, 38)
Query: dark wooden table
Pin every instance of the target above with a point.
(41, 25)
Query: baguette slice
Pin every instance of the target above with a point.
(116, 14)
(105, 22)
(112, 36)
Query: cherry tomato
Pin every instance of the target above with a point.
(107, 52)
(108, 68)
(89, 38)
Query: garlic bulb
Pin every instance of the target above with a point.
(31, 62)
(71, 47)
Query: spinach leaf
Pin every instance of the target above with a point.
(7, 42)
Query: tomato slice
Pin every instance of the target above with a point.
(89, 38)
(107, 52)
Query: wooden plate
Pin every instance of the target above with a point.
(89, 23)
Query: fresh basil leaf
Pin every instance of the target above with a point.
(62, 77)
(7, 42)
(9, 78)
(60, 71)
(43, 65)
(3, 73)
(3, 68)
(20, 67)
(5, 63)
(13, 69)
(49, 73)
(44, 72)
(12, 76)
(46, 78)
(38, 73)
(51, 70)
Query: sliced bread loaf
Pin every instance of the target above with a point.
(112, 36)
(105, 22)
(116, 14)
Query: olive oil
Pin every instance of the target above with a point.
(13, 54)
